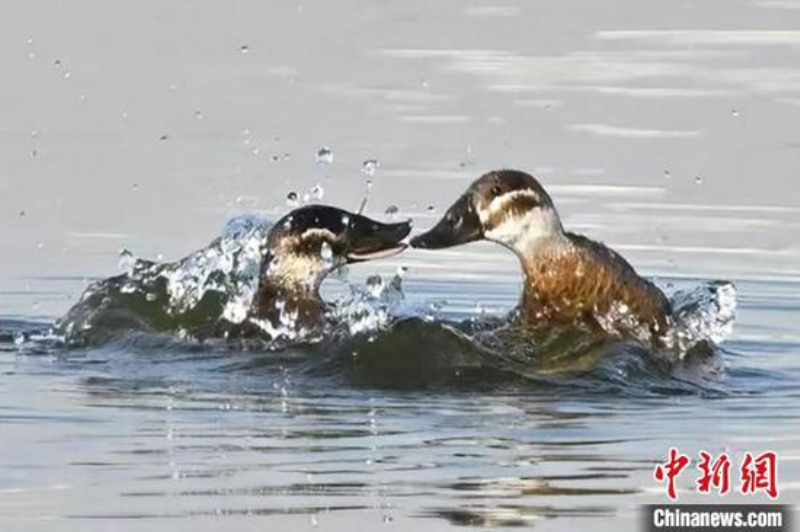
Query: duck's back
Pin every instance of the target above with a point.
(575, 279)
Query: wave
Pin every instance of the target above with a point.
(371, 335)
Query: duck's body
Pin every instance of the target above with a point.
(299, 251)
(572, 279)
(569, 279)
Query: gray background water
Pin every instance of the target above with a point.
(667, 129)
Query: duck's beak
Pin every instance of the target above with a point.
(459, 225)
(368, 239)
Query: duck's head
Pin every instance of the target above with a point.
(505, 206)
(310, 242)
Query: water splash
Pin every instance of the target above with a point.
(126, 261)
(369, 167)
(216, 282)
(372, 307)
(704, 313)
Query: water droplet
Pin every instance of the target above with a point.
(126, 260)
(375, 285)
(317, 192)
(292, 199)
(314, 521)
(667, 174)
(173, 87)
(198, 114)
(326, 252)
(431, 208)
(135, 186)
(244, 49)
(256, 150)
(392, 211)
(67, 75)
(735, 113)
(369, 167)
(34, 133)
(387, 519)
(275, 158)
(324, 155)
(57, 62)
(30, 42)
(163, 137)
(698, 180)
(19, 338)
(151, 297)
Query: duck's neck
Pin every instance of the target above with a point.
(287, 292)
(525, 234)
(540, 245)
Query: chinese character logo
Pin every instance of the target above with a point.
(760, 474)
(715, 475)
(757, 474)
(675, 465)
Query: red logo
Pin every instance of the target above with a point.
(716, 475)
(675, 465)
(756, 473)
(760, 473)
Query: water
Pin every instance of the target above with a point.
(618, 111)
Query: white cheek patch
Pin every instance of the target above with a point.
(522, 232)
(501, 203)
(293, 269)
(509, 230)
(318, 232)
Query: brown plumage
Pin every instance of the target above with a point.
(572, 279)
(569, 279)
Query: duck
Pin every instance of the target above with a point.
(569, 279)
(303, 248)
(297, 253)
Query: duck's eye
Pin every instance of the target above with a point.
(496, 190)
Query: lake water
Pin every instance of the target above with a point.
(667, 130)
